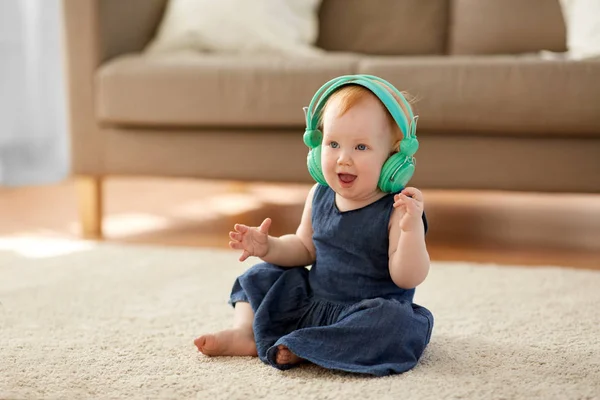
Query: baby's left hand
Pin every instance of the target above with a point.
(412, 208)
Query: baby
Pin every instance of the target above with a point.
(352, 309)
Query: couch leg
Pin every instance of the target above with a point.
(89, 197)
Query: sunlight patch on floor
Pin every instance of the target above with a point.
(130, 224)
(282, 195)
(31, 246)
(216, 206)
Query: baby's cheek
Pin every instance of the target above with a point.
(327, 165)
(377, 168)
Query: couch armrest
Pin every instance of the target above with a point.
(95, 31)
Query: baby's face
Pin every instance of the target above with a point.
(355, 147)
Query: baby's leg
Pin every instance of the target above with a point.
(286, 357)
(238, 341)
(376, 336)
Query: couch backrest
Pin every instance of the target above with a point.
(505, 26)
(127, 25)
(410, 27)
(384, 27)
(381, 27)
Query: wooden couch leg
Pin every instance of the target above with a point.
(89, 197)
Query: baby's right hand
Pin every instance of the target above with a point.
(254, 241)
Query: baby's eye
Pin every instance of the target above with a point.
(334, 145)
(361, 147)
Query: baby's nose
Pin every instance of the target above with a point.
(344, 159)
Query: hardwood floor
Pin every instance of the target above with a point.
(492, 227)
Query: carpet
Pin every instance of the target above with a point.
(85, 320)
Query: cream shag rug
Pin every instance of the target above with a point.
(83, 320)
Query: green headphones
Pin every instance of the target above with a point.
(399, 167)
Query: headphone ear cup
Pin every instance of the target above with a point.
(313, 161)
(312, 138)
(395, 173)
(409, 146)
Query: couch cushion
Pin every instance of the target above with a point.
(384, 27)
(213, 90)
(507, 94)
(506, 26)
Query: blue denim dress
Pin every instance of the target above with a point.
(344, 312)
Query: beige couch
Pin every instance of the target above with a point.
(493, 113)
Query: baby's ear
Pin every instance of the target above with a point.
(396, 147)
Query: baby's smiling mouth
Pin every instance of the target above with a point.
(347, 178)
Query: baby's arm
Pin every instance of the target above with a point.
(408, 256)
(294, 249)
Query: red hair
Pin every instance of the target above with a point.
(350, 95)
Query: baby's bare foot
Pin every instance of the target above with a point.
(231, 342)
(285, 356)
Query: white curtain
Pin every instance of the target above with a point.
(33, 137)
